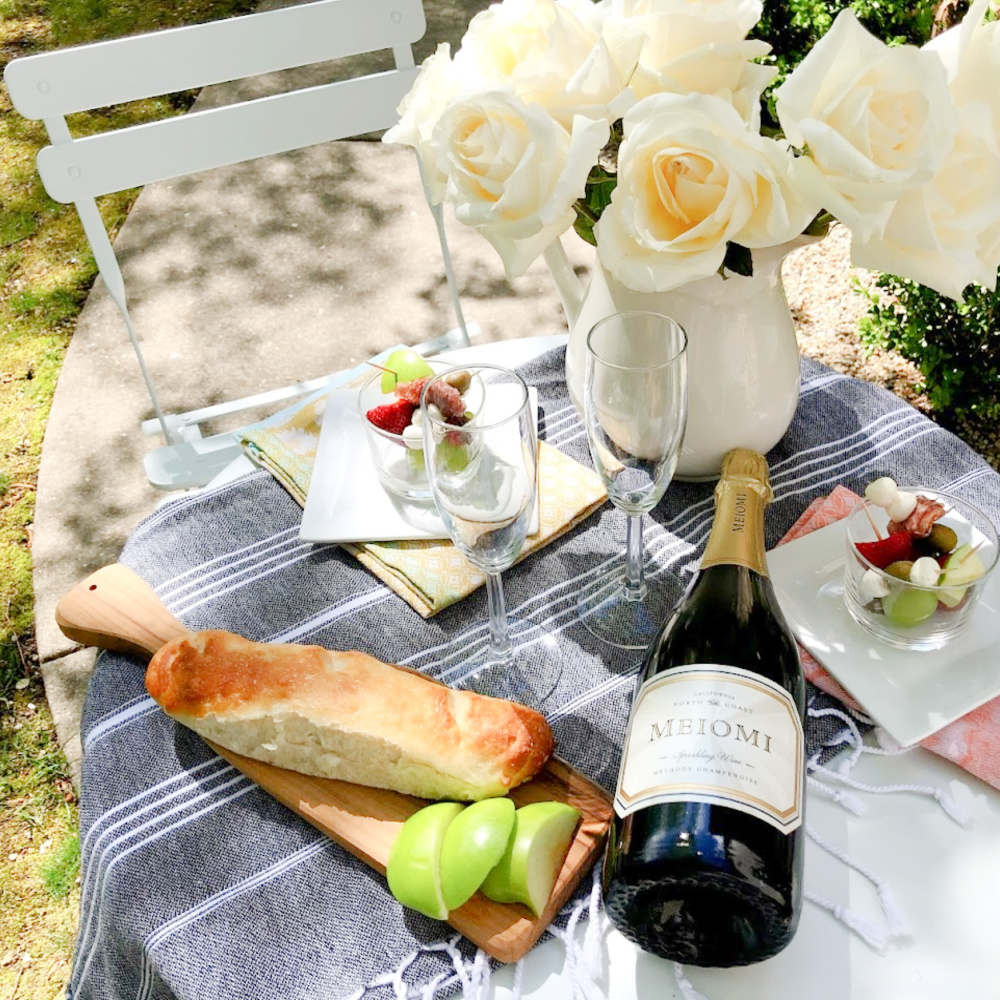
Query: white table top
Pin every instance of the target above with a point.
(945, 878)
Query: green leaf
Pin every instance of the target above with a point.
(600, 184)
(820, 225)
(738, 259)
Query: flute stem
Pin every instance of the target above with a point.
(500, 648)
(635, 584)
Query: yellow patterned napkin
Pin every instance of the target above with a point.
(429, 575)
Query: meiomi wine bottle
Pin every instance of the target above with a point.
(704, 859)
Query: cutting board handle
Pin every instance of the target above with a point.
(116, 609)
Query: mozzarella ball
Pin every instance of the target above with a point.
(413, 437)
(925, 572)
(882, 492)
(872, 585)
(902, 507)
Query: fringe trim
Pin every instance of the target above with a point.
(896, 922)
(685, 985)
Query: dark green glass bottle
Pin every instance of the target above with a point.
(704, 860)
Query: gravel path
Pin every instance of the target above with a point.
(820, 286)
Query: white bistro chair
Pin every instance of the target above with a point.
(52, 85)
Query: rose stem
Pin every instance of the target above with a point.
(871, 521)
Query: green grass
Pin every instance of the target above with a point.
(46, 271)
(60, 871)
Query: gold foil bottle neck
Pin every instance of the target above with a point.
(742, 493)
(748, 468)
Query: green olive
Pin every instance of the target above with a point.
(460, 381)
(900, 569)
(943, 538)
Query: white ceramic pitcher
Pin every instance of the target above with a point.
(743, 359)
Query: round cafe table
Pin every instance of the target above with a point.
(195, 883)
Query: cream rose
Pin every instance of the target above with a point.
(951, 45)
(980, 62)
(555, 53)
(691, 177)
(876, 121)
(743, 13)
(513, 172)
(946, 233)
(698, 46)
(691, 55)
(436, 84)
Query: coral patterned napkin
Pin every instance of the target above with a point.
(973, 741)
(428, 575)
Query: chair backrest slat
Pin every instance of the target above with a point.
(99, 75)
(127, 158)
(52, 85)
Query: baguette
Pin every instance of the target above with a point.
(347, 715)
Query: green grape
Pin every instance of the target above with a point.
(452, 457)
(909, 606)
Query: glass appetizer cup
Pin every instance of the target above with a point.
(931, 608)
(399, 457)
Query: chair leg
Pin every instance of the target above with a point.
(438, 212)
(107, 264)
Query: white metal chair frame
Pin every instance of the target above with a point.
(52, 85)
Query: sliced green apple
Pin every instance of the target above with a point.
(473, 844)
(527, 872)
(407, 365)
(963, 566)
(414, 866)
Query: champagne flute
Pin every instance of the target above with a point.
(481, 453)
(635, 408)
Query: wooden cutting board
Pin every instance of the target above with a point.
(114, 609)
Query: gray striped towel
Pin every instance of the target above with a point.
(196, 884)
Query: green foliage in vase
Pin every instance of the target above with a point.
(956, 345)
(600, 183)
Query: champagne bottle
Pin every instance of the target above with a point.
(704, 859)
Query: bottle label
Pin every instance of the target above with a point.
(715, 734)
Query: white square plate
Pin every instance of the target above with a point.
(346, 501)
(910, 694)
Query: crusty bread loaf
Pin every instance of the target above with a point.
(348, 716)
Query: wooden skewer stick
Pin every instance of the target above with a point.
(380, 367)
(871, 521)
(972, 551)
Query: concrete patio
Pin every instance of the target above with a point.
(244, 279)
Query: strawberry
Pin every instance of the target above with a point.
(392, 417)
(893, 548)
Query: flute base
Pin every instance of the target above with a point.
(626, 624)
(528, 675)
